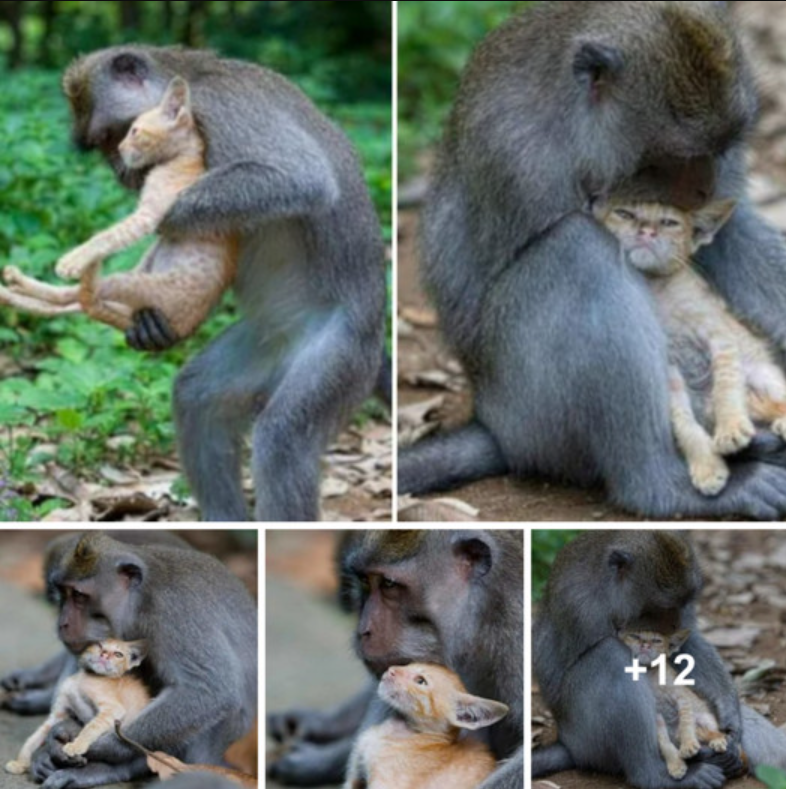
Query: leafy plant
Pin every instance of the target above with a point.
(546, 544)
(771, 777)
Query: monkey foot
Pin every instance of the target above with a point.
(16, 767)
(710, 477)
(735, 436)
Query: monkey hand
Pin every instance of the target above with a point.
(151, 331)
(732, 761)
(73, 264)
(19, 680)
(307, 764)
(294, 725)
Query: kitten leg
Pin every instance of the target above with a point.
(674, 763)
(29, 286)
(22, 762)
(708, 470)
(102, 723)
(734, 429)
(689, 743)
(90, 297)
(35, 306)
(143, 222)
(769, 410)
(715, 739)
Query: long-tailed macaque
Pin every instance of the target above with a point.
(605, 582)
(567, 358)
(451, 597)
(310, 280)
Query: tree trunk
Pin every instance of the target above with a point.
(50, 17)
(169, 16)
(11, 13)
(196, 10)
(130, 15)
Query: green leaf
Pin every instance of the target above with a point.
(771, 776)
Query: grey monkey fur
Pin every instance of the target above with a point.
(310, 281)
(599, 584)
(566, 357)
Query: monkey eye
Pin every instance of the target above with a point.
(389, 583)
(623, 214)
(421, 681)
(79, 597)
(669, 223)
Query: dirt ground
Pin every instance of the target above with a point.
(743, 612)
(428, 374)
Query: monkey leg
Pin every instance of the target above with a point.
(708, 470)
(598, 335)
(97, 774)
(307, 764)
(326, 377)
(29, 286)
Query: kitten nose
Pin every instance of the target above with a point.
(647, 232)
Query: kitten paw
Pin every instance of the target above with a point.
(718, 745)
(710, 476)
(735, 436)
(689, 749)
(677, 768)
(779, 427)
(11, 275)
(16, 767)
(72, 749)
(73, 265)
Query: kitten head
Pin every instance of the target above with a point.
(658, 239)
(113, 658)
(648, 646)
(161, 134)
(433, 699)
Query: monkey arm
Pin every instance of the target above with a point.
(238, 196)
(747, 263)
(508, 776)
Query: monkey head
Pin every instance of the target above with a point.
(418, 593)
(97, 583)
(668, 88)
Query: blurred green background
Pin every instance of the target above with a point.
(70, 391)
(434, 42)
(546, 544)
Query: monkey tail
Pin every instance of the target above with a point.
(552, 759)
(454, 458)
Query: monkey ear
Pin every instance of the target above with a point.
(596, 66)
(620, 561)
(476, 551)
(129, 67)
(176, 103)
(131, 570)
(137, 652)
(473, 712)
(708, 221)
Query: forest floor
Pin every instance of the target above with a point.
(742, 612)
(433, 393)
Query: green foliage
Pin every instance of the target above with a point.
(771, 777)
(81, 397)
(435, 40)
(546, 544)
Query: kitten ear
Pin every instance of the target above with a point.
(137, 652)
(176, 104)
(709, 220)
(473, 712)
(676, 640)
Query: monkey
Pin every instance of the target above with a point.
(567, 360)
(451, 597)
(200, 626)
(604, 582)
(31, 691)
(103, 690)
(310, 279)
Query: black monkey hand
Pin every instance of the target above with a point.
(19, 680)
(151, 332)
(305, 725)
(50, 757)
(732, 761)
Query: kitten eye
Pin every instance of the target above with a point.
(669, 223)
(421, 681)
(118, 654)
(623, 214)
